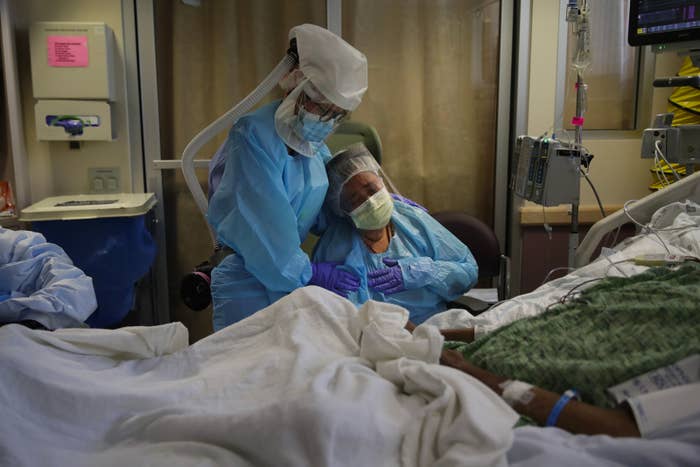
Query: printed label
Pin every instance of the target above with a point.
(686, 371)
(67, 51)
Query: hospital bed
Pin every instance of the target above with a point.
(308, 381)
(671, 227)
(666, 205)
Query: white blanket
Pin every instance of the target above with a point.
(309, 380)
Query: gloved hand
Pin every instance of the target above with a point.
(328, 276)
(388, 280)
(408, 201)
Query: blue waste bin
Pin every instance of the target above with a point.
(114, 247)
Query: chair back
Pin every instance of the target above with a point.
(483, 243)
(478, 236)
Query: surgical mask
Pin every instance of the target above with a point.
(374, 213)
(310, 127)
(286, 123)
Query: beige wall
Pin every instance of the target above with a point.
(55, 169)
(618, 172)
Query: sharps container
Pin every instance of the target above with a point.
(107, 237)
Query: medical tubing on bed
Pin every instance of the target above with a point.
(559, 406)
(223, 123)
(686, 188)
(660, 153)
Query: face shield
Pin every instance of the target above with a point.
(337, 69)
(356, 190)
(334, 79)
(304, 122)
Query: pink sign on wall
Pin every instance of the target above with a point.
(67, 51)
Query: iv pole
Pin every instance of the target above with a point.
(577, 14)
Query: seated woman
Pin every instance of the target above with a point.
(400, 253)
(629, 345)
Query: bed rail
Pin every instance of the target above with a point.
(642, 210)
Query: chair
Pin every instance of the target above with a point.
(350, 132)
(484, 245)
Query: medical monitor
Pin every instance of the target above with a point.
(657, 22)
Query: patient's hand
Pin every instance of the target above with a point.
(460, 335)
(410, 326)
(452, 358)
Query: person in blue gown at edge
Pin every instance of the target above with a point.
(267, 182)
(400, 253)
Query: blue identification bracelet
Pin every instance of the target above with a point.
(559, 406)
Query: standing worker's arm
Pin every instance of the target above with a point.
(251, 212)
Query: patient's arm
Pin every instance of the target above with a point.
(461, 335)
(576, 417)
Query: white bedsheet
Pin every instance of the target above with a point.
(683, 240)
(677, 446)
(308, 381)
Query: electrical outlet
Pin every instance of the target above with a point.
(650, 138)
(104, 180)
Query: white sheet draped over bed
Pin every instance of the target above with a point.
(309, 380)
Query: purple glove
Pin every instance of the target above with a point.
(328, 276)
(408, 201)
(388, 280)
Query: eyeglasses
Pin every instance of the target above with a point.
(326, 112)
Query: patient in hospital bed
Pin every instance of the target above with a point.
(400, 253)
(630, 346)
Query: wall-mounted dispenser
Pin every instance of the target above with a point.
(73, 81)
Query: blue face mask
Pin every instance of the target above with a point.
(310, 127)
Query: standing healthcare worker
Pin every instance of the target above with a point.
(268, 180)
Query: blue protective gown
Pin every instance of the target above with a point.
(436, 267)
(39, 282)
(265, 205)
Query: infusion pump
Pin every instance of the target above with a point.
(546, 171)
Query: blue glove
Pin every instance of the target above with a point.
(408, 201)
(328, 276)
(388, 280)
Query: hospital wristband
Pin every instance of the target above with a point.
(559, 406)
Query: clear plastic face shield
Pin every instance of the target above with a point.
(357, 190)
(305, 118)
(329, 82)
(311, 100)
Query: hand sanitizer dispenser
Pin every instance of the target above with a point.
(72, 80)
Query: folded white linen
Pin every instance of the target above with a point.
(309, 380)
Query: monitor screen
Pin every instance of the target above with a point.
(663, 21)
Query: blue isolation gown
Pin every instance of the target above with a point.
(263, 208)
(435, 265)
(39, 282)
